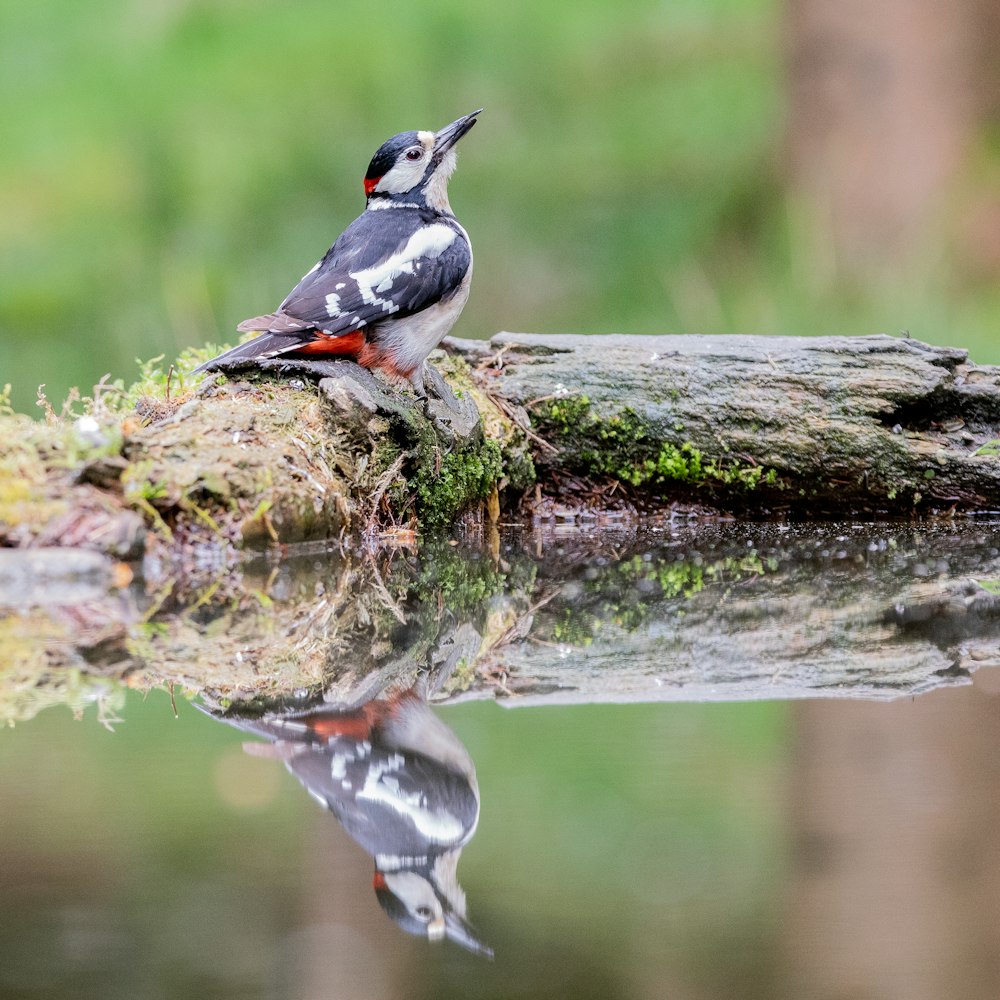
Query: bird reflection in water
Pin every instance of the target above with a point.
(403, 787)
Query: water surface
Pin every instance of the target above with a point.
(753, 833)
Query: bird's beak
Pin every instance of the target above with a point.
(450, 134)
(457, 930)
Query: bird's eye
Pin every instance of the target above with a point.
(414, 154)
(424, 912)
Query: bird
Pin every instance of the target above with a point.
(394, 282)
(403, 787)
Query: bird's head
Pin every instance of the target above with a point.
(414, 167)
(421, 908)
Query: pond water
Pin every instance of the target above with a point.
(708, 761)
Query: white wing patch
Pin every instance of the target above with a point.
(298, 727)
(427, 242)
(388, 862)
(380, 787)
(338, 766)
(333, 305)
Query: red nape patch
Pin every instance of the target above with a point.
(325, 346)
(370, 184)
(378, 880)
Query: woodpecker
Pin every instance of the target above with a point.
(403, 787)
(394, 282)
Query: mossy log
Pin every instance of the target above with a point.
(832, 425)
(277, 454)
(561, 425)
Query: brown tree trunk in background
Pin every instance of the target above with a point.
(346, 947)
(989, 58)
(884, 106)
(895, 885)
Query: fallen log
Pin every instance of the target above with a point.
(563, 425)
(797, 425)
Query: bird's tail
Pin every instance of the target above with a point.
(317, 725)
(267, 345)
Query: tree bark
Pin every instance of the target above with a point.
(793, 425)
(886, 105)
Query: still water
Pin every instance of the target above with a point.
(736, 761)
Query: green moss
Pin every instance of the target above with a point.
(463, 585)
(565, 413)
(158, 382)
(515, 451)
(625, 447)
(39, 670)
(448, 484)
(610, 601)
(138, 483)
(456, 372)
(462, 677)
(33, 481)
(519, 469)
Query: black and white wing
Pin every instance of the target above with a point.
(393, 803)
(380, 268)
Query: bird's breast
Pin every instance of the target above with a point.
(408, 341)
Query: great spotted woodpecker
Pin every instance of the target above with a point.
(403, 787)
(397, 278)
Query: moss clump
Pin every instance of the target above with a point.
(626, 448)
(625, 596)
(258, 456)
(458, 480)
(27, 501)
(566, 414)
(498, 426)
(686, 464)
(41, 668)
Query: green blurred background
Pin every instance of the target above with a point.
(169, 168)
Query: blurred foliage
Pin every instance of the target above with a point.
(171, 167)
